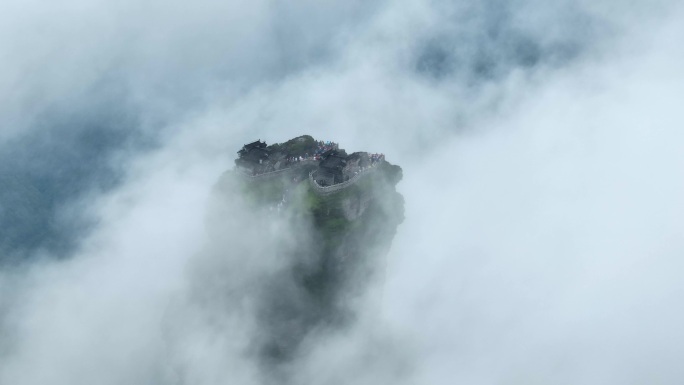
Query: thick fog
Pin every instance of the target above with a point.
(543, 180)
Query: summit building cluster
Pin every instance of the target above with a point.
(329, 164)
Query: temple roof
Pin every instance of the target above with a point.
(258, 144)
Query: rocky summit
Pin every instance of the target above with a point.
(342, 210)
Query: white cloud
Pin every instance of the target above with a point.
(544, 210)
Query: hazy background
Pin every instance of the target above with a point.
(543, 178)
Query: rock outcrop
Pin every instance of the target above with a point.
(330, 245)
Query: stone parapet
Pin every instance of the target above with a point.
(327, 190)
(281, 172)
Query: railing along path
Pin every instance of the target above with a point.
(271, 174)
(326, 190)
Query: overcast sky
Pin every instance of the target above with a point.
(543, 180)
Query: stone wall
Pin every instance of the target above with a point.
(327, 190)
(283, 172)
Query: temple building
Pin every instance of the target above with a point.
(253, 157)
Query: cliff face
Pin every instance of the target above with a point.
(329, 247)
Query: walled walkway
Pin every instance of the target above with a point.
(268, 175)
(327, 190)
(321, 190)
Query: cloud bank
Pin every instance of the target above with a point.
(542, 179)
